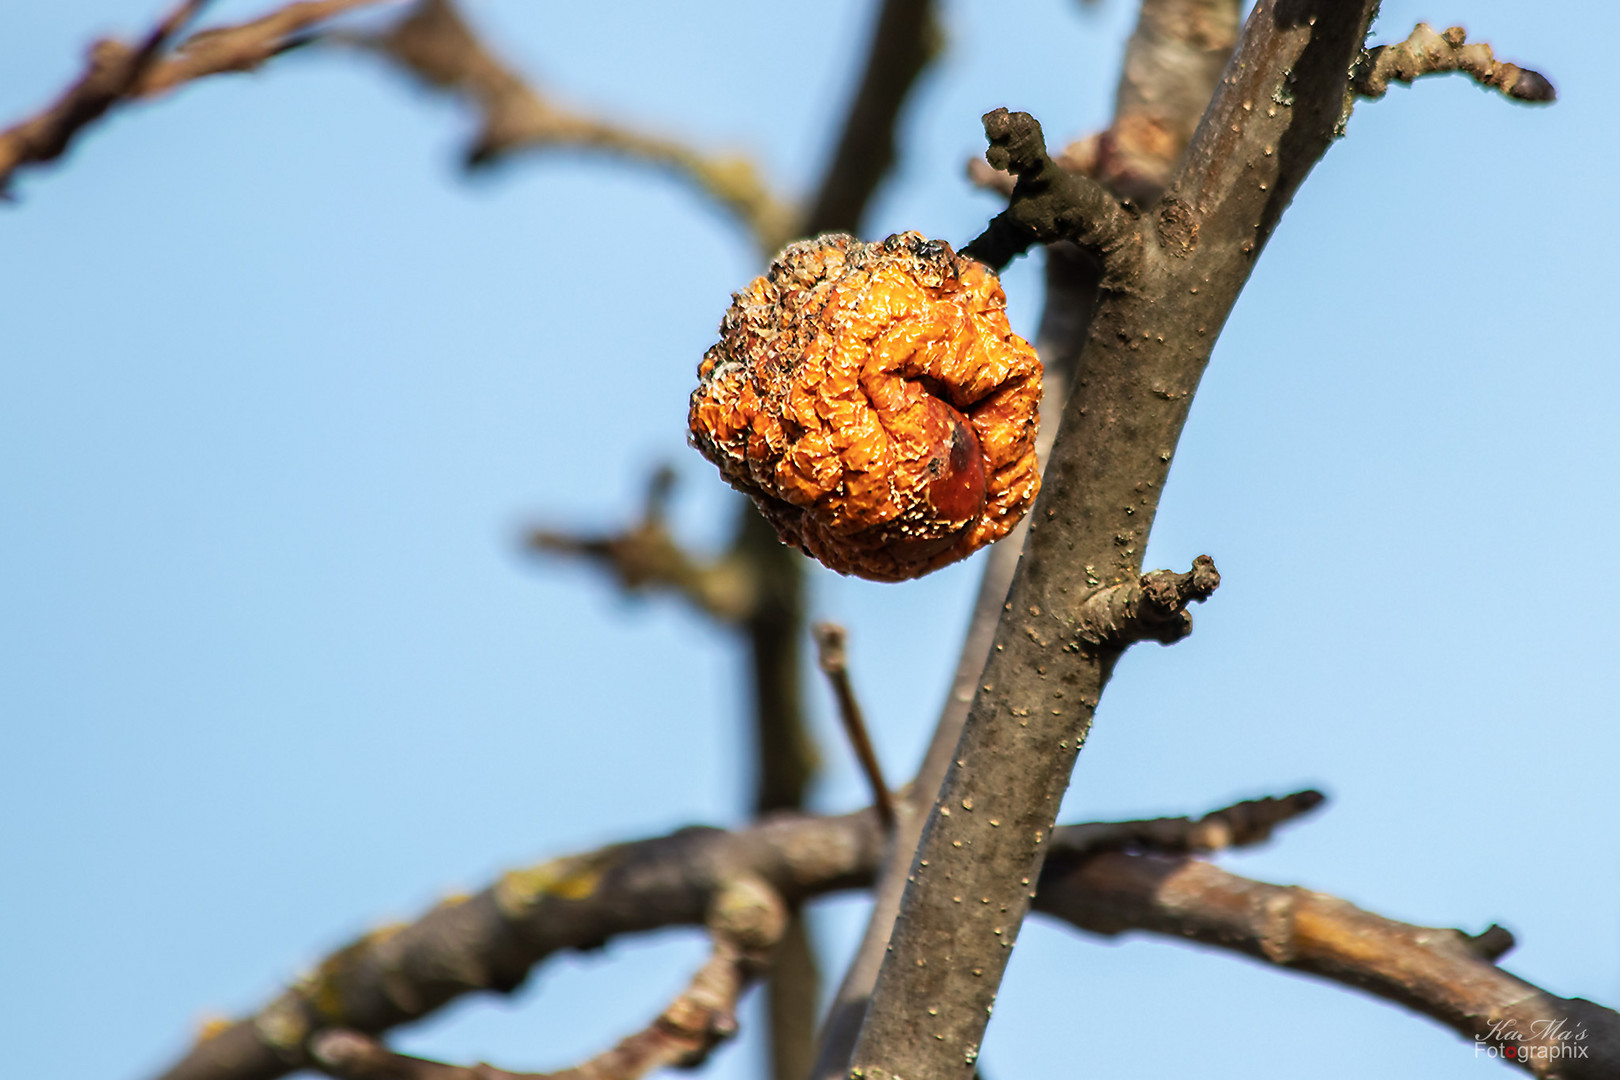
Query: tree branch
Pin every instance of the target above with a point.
(1151, 608)
(1428, 53)
(1106, 878)
(1145, 353)
(113, 70)
(226, 49)
(646, 557)
(436, 46)
(830, 642)
(491, 941)
(1173, 61)
(746, 920)
(1446, 975)
(903, 42)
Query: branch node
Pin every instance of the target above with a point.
(1049, 204)
(1151, 608)
(1492, 943)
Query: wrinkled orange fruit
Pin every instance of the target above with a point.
(874, 402)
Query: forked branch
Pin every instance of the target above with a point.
(745, 921)
(1107, 877)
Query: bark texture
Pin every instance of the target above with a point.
(1279, 107)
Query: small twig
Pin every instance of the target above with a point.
(111, 74)
(225, 49)
(435, 45)
(1243, 824)
(1050, 204)
(1173, 62)
(830, 641)
(904, 40)
(1428, 53)
(646, 557)
(1151, 608)
(745, 921)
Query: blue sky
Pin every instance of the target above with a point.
(280, 387)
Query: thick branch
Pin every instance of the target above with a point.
(1172, 63)
(1445, 975)
(745, 921)
(490, 941)
(1276, 113)
(1097, 878)
(1428, 53)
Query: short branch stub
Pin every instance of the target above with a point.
(1151, 608)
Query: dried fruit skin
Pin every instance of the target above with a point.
(874, 402)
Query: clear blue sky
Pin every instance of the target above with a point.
(279, 387)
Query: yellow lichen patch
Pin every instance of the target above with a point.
(322, 989)
(874, 402)
(212, 1025)
(572, 878)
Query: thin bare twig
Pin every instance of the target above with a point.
(1243, 824)
(437, 46)
(226, 49)
(830, 642)
(646, 557)
(112, 72)
(490, 941)
(1425, 52)
(904, 40)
